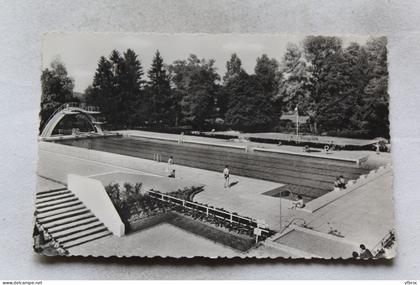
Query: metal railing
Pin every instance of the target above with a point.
(209, 210)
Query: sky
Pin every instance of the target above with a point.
(80, 52)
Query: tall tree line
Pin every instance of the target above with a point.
(343, 90)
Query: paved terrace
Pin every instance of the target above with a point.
(363, 215)
(245, 197)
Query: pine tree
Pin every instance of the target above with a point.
(161, 101)
(102, 91)
(130, 84)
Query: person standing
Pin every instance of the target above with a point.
(170, 167)
(226, 176)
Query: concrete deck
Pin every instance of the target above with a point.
(307, 138)
(245, 197)
(343, 154)
(363, 216)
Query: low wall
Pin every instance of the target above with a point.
(354, 161)
(352, 185)
(185, 139)
(93, 195)
(162, 184)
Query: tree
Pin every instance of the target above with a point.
(57, 89)
(233, 68)
(102, 91)
(249, 108)
(325, 57)
(130, 84)
(160, 101)
(267, 72)
(116, 88)
(355, 70)
(196, 83)
(376, 100)
(295, 83)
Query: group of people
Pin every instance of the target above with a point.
(171, 172)
(363, 254)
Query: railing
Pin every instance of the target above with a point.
(209, 210)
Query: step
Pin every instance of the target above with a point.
(55, 202)
(86, 239)
(67, 221)
(60, 211)
(82, 234)
(55, 198)
(50, 191)
(72, 224)
(63, 216)
(46, 195)
(60, 206)
(78, 229)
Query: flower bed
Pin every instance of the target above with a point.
(139, 211)
(197, 227)
(132, 205)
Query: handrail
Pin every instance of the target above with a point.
(185, 202)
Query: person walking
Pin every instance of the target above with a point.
(170, 168)
(226, 176)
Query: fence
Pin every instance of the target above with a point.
(209, 210)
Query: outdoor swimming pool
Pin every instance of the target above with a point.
(306, 176)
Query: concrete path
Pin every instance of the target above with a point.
(345, 154)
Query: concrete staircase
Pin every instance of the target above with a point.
(64, 217)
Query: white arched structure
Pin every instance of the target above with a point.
(72, 109)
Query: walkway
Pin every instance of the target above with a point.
(245, 197)
(345, 154)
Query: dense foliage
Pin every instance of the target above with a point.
(342, 88)
(57, 89)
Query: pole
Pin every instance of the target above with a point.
(297, 123)
(280, 213)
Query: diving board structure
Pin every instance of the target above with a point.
(72, 109)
